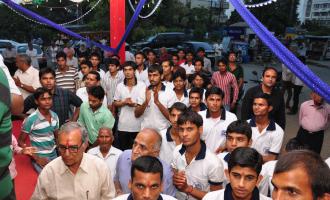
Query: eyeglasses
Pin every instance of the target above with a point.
(72, 149)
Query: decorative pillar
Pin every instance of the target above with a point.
(117, 25)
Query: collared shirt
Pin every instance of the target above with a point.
(214, 130)
(224, 157)
(110, 159)
(130, 197)
(190, 69)
(203, 97)
(33, 55)
(68, 79)
(226, 194)
(30, 77)
(41, 132)
(152, 116)
(314, 118)
(278, 111)
(202, 107)
(92, 181)
(204, 170)
(110, 83)
(184, 98)
(169, 84)
(207, 64)
(83, 95)
(93, 121)
(168, 146)
(142, 76)
(265, 185)
(62, 100)
(73, 62)
(123, 174)
(226, 82)
(268, 140)
(127, 112)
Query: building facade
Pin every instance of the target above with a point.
(318, 11)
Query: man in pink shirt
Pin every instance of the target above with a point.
(226, 81)
(314, 118)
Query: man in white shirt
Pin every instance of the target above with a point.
(244, 167)
(92, 79)
(179, 81)
(142, 71)
(207, 62)
(189, 64)
(170, 136)
(153, 103)
(196, 169)
(105, 150)
(267, 136)
(216, 119)
(33, 53)
(95, 59)
(146, 180)
(74, 175)
(125, 100)
(71, 60)
(26, 77)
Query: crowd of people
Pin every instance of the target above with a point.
(157, 127)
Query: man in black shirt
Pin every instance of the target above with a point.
(269, 76)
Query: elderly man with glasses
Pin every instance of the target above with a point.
(75, 174)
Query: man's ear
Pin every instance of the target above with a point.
(250, 142)
(326, 196)
(130, 184)
(270, 108)
(227, 174)
(200, 129)
(260, 177)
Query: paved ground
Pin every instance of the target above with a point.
(292, 120)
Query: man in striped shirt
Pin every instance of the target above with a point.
(66, 77)
(41, 126)
(226, 81)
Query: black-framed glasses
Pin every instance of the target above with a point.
(71, 148)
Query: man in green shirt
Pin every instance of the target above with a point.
(93, 115)
(6, 184)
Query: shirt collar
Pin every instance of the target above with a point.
(83, 166)
(41, 117)
(185, 93)
(201, 154)
(130, 197)
(223, 113)
(226, 158)
(271, 126)
(229, 190)
(203, 107)
(162, 88)
(168, 134)
(125, 81)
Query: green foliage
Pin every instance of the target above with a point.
(313, 28)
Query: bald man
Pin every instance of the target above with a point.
(147, 143)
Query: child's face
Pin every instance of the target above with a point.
(45, 101)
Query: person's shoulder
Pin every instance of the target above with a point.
(202, 113)
(115, 150)
(279, 129)
(230, 116)
(122, 197)
(94, 150)
(219, 195)
(94, 160)
(263, 197)
(168, 197)
(211, 157)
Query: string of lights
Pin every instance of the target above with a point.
(148, 5)
(258, 5)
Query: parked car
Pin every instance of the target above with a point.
(5, 43)
(169, 39)
(22, 47)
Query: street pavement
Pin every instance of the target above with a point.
(292, 124)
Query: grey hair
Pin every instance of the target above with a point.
(25, 58)
(70, 126)
(158, 143)
(108, 129)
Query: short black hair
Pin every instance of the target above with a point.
(147, 164)
(222, 60)
(151, 51)
(199, 60)
(192, 117)
(214, 90)
(245, 157)
(269, 68)
(295, 144)
(129, 64)
(140, 53)
(95, 54)
(178, 106)
(61, 54)
(112, 61)
(184, 51)
(232, 52)
(200, 49)
(170, 62)
(46, 70)
(40, 91)
(317, 170)
(177, 74)
(97, 92)
(196, 90)
(86, 62)
(261, 95)
(155, 68)
(241, 127)
(189, 51)
(98, 76)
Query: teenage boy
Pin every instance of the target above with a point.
(93, 115)
(196, 169)
(301, 175)
(95, 59)
(153, 103)
(85, 68)
(244, 167)
(267, 136)
(111, 79)
(146, 180)
(188, 65)
(125, 99)
(151, 58)
(179, 81)
(168, 73)
(199, 68)
(170, 136)
(216, 119)
(195, 100)
(228, 84)
(142, 71)
(66, 77)
(198, 80)
(41, 127)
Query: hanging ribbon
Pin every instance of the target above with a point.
(289, 59)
